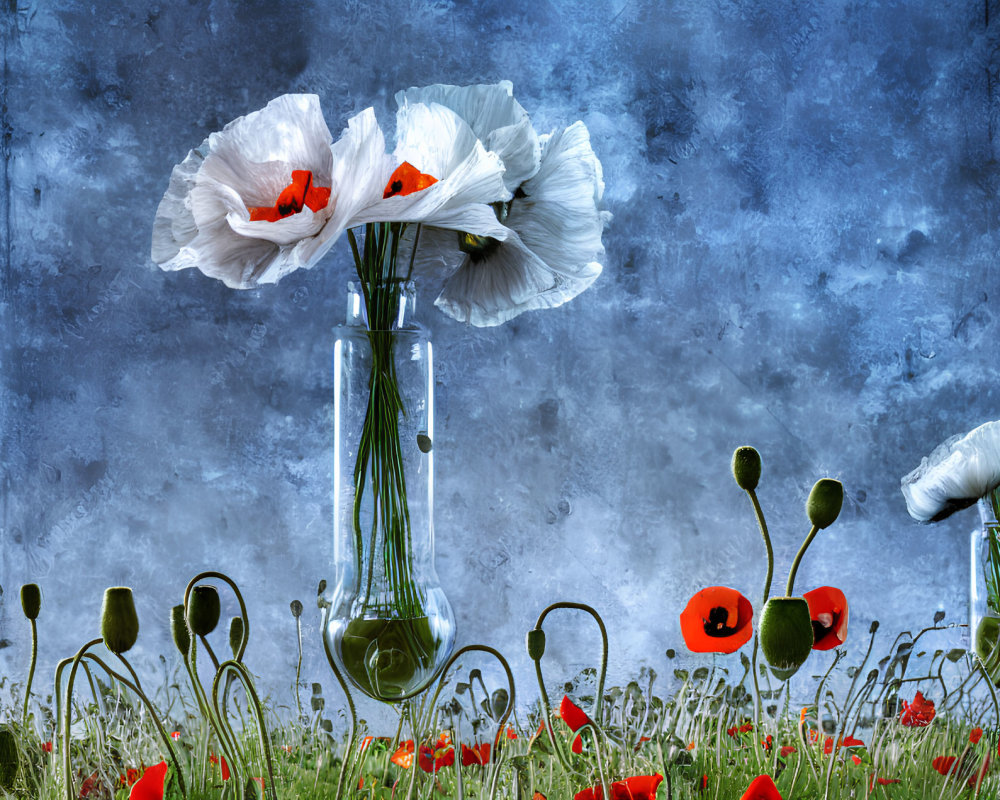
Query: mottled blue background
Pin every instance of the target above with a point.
(803, 257)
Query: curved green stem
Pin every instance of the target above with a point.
(68, 714)
(798, 558)
(243, 675)
(31, 670)
(354, 717)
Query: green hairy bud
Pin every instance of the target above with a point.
(235, 634)
(786, 634)
(203, 610)
(31, 600)
(119, 623)
(825, 501)
(746, 468)
(536, 643)
(179, 630)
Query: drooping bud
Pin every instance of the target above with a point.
(296, 607)
(9, 759)
(498, 702)
(536, 643)
(746, 468)
(825, 501)
(179, 630)
(203, 610)
(31, 600)
(119, 623)
(235, 634)
(988, 646)
(786, 634)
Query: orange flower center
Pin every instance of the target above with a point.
(407, 179)
(298, 194)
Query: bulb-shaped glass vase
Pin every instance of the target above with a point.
(389, 625)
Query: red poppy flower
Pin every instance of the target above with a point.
(704, 783)
(975, 735)
(828, 611)
(214, 759)
(407, 179)
(403, 756)
(746, 727)
(299, 193)
(880, 781)
(511, 733)
(917, 714)
(441, 755)
(717, 620)
(640, 787)
(538, 796)
(761, 788)
(477, 754)
(92, 786)
(786, 751)
(150, 785)
(575, 718)
(46, 747)
(856, 760)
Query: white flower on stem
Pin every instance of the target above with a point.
(959, 472)
(496, 119)
(552, 246)
(204, 219)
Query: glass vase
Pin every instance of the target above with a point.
(984, 590)
(389, 625)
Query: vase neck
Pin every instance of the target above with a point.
(987, 511)
(397, 304)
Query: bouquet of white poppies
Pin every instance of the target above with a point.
(513, 216)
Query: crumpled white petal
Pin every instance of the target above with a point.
(203, 220)
(496, 119)
(553, 251)
(958, 473)
(437, 142)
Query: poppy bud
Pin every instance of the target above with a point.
(498, 702)
(203, 610)
(825, 501)
(179, 630)
(235, 634)
(119, 624)
(8, 759)
(296, 607)
(536, 643)
(988, 646)
(746, 468)
(31, 600)
(786, 634)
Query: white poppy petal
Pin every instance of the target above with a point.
(495, 117)
(221, 253)
(174, 225)
(958, 473)
(433, 138)
(507, 282)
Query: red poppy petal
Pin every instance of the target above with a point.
(829, 612)
(150, 785)
(761, 788)
(717, 620)
(572, 714)
(975, 735)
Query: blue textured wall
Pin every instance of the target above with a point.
(803, 257)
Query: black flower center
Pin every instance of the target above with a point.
(716, 626)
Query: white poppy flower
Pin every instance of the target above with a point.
(496, 119)
(958, 473)
(204, 219)
(551, 253)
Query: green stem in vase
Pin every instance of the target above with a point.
(991, 570)
(379, 465)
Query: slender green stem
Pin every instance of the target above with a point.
(798, 558)
(243, 675)
(68, 714)
(31, 670)
(351, 710)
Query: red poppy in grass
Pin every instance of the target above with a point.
(850, 741)
(917, 714)
(150, 785)
(856, 760)
(538, 796)
(575, 718)
(828, 612)
(761, 788)
(717, 620)
(746, 727)
(403, 756)
(441, 755)
(214, 759)
(880, 781)
(298, 194)
(640, 787)
(511, 733)
(477, 754)
(975, 735)
(406, 179)
(786, 751)
(92, 786)
(704, 783)
(943, 764)
(46, 747)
